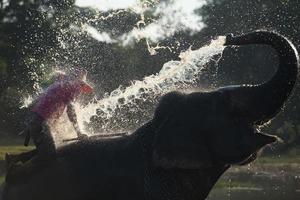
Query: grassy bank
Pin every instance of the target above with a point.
(14, 149)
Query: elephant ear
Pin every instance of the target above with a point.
(177, 144)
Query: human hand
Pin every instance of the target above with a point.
(82, 136)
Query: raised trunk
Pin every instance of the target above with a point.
(260, 103)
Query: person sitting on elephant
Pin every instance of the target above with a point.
(50, 105)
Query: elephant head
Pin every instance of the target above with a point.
(202, 129)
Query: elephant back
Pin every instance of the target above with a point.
(166, 106)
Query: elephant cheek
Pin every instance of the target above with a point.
(182, 159)
(162, 161)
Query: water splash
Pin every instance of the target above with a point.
(126, 108)
(26, 101)
(166, 19)
(171, 17)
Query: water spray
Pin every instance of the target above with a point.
(126, 108)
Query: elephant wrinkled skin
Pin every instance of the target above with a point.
(179, 154)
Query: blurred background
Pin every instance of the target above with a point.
(126, 40)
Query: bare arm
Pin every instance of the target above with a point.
(73, 118)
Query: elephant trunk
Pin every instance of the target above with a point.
(260, 103)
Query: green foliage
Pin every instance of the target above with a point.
(3, 67)
(2, 178)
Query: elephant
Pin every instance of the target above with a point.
(192, 139)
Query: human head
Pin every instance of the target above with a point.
(78, 73)
(57, 75)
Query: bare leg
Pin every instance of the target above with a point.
(42, 138)
(36, 160)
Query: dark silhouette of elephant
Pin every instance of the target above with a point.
(180, 154)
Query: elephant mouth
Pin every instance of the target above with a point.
(266, 138)
(250, 159)
(258, 141)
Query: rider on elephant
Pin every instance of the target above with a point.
(50, 105)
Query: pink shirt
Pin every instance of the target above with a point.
(52, 103)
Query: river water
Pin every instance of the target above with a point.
(274, 182)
